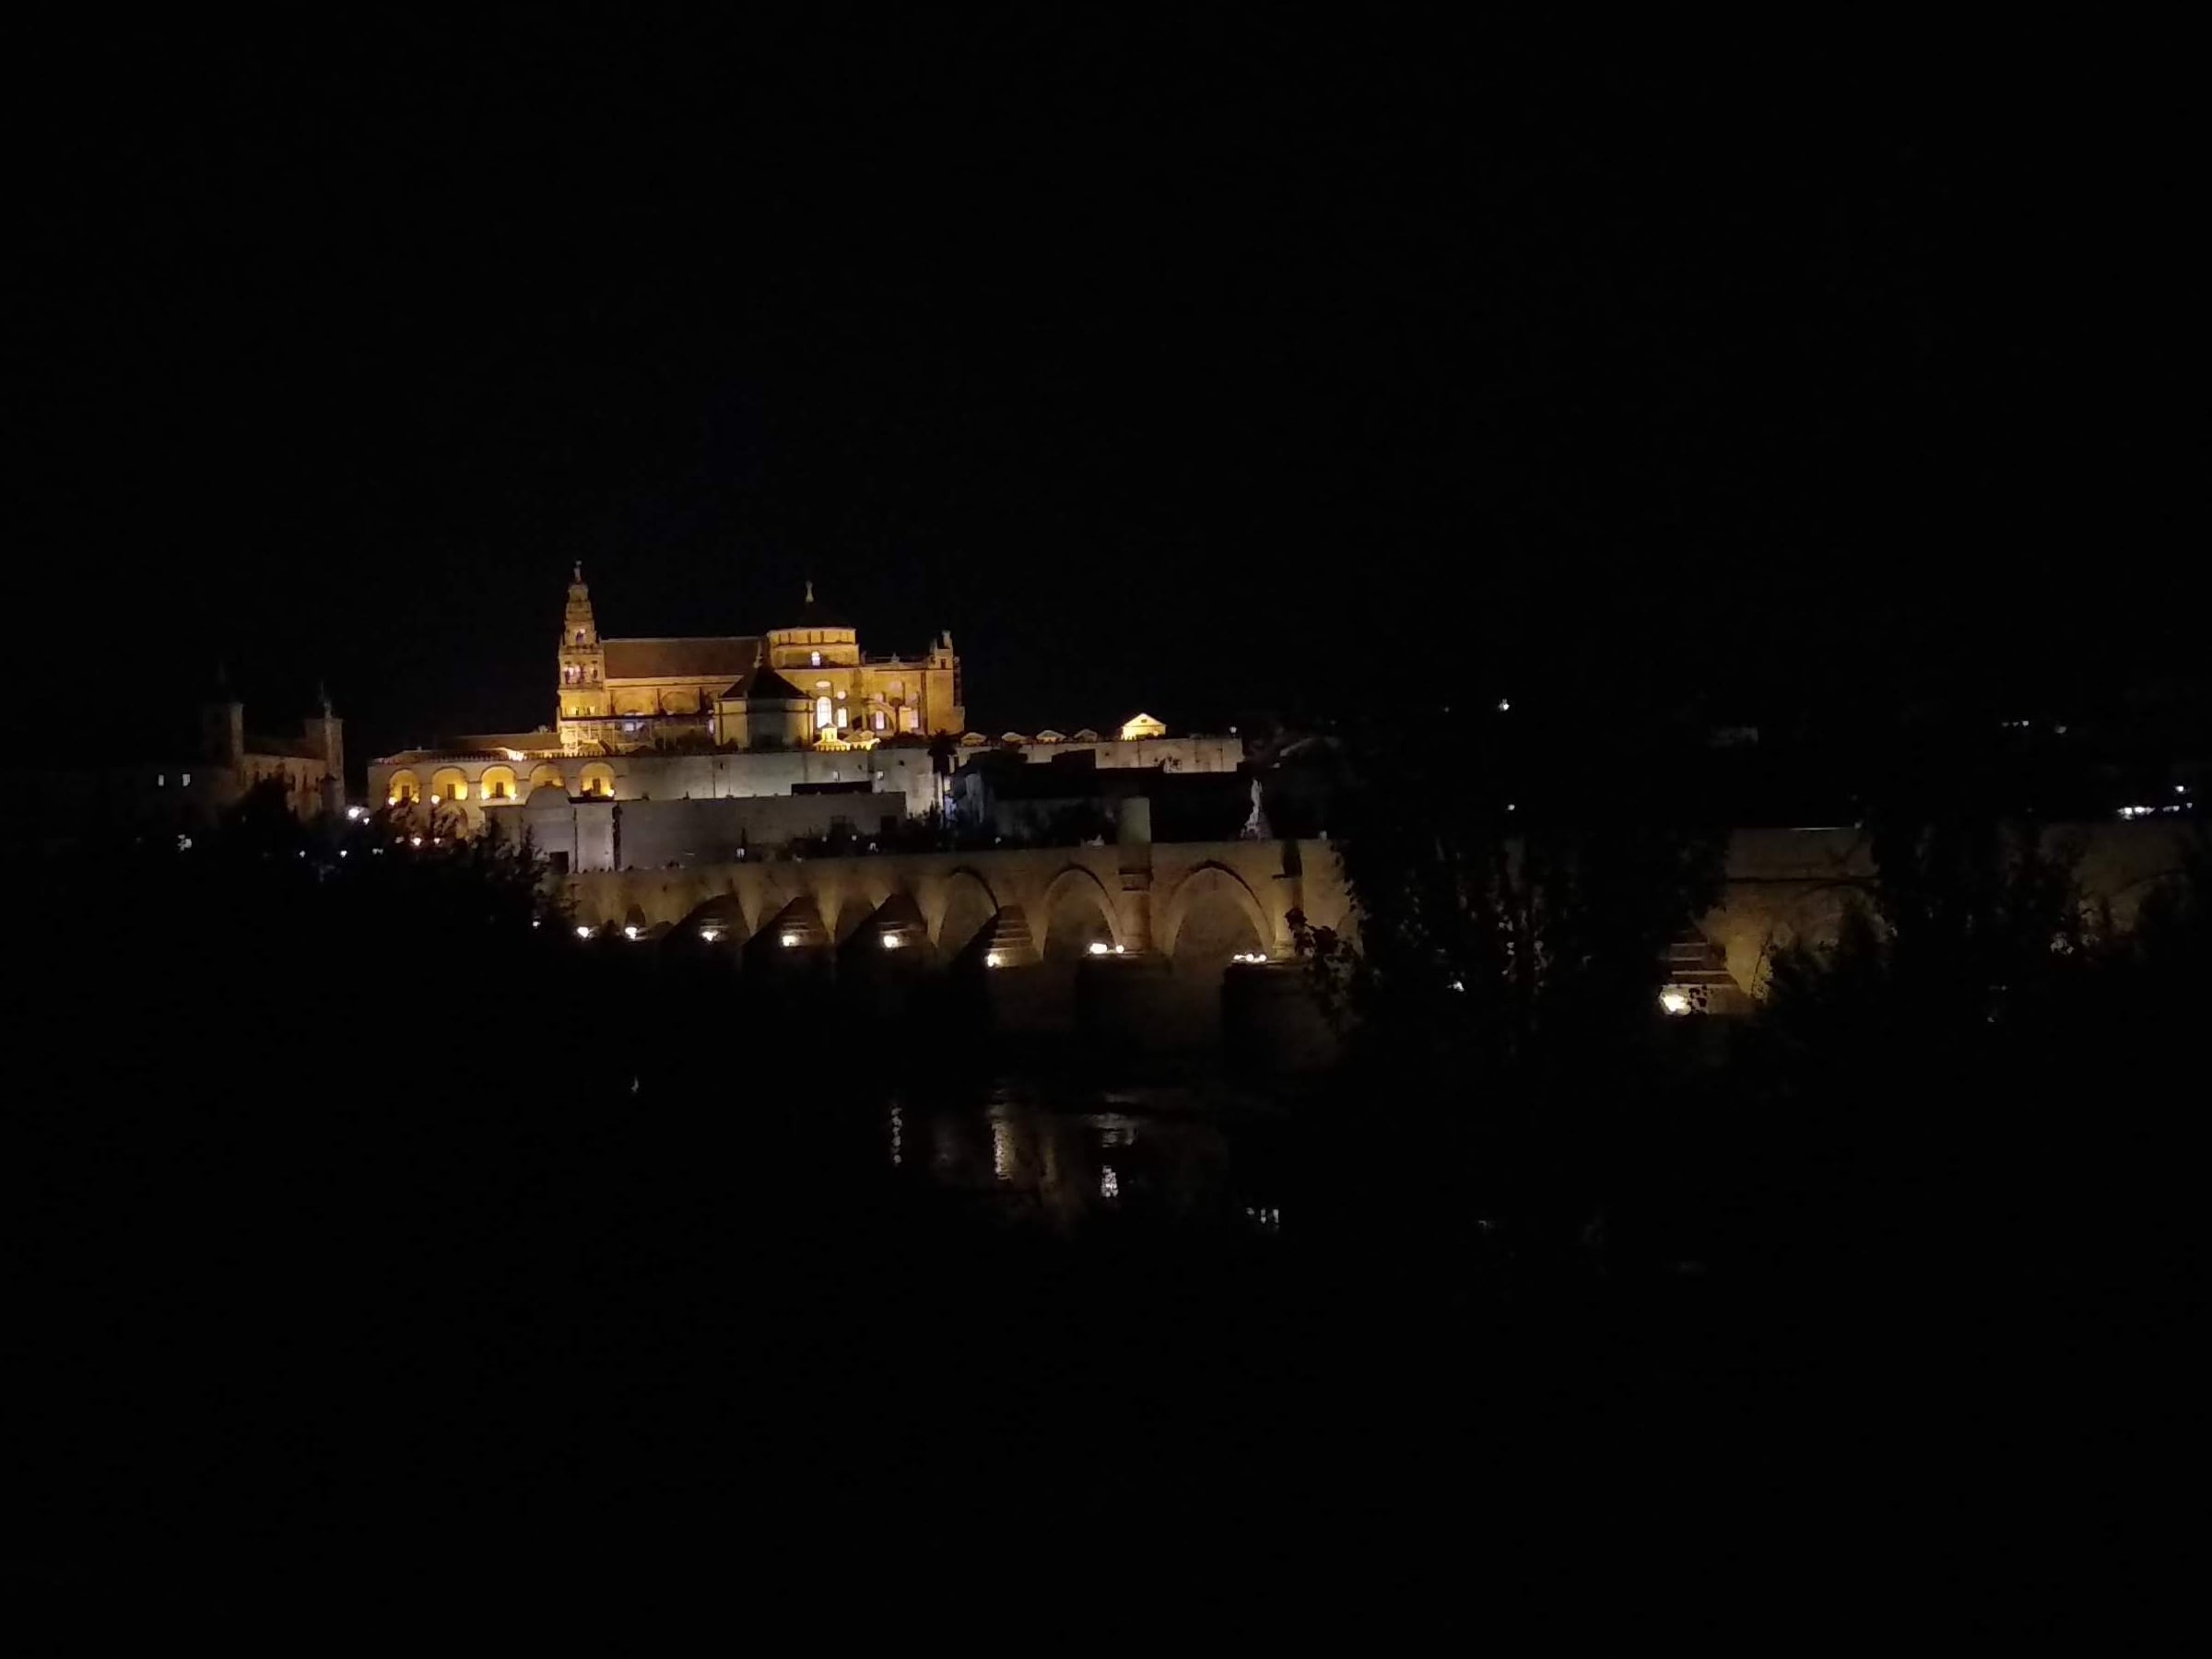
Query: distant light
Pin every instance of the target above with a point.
(629, 933)
(787, 940)
(415, 842)
(2181, 789)
(891, 941)
(710, 933)
(992, 959)
(1459, 984)
(353, 812)
(341, 851)
(1249, 956)
(1674, 1000)
(1109, 1184)
(1504, 704)
(583, 932)
(534, 921)
(1099, 948)
(1513, 807)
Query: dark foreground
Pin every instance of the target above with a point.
(485, 1257)
(315, 1332)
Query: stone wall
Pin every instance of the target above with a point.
(906, 772)
(594, 836)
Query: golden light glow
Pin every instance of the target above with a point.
(1674, 1000)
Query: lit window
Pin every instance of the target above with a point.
(821, 714)
(160, 780)
(184, 780)
(813, 659)
(880, 720)
(841, 720)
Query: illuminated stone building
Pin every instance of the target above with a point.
(189, 784)
(709, 746)
(805, 684)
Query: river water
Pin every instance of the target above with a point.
(1070, 1158)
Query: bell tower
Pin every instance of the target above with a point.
(582, 662)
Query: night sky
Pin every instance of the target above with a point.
(1203, 367)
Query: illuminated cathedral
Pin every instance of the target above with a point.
(806, 684)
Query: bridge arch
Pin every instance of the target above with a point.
(1208, 889)
(895, 925)
(723, 915)
(1074, 910)
(965, 906)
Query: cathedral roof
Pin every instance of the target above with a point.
(763, 685)
(722, 659)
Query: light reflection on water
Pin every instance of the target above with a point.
(1163, 1155)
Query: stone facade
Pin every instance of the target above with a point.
(486, 781)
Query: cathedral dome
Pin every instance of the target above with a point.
(817, 618)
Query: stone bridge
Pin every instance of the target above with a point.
(1202, 906)
(1179, 900)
